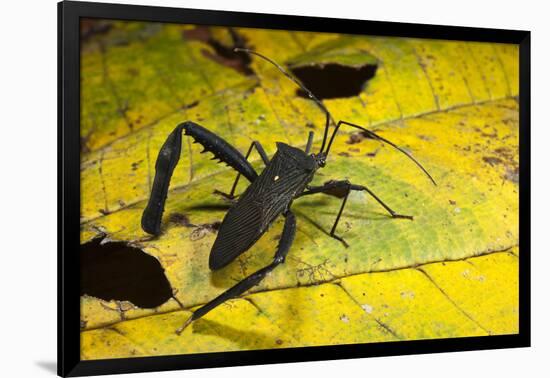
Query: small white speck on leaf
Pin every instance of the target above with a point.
(344, 318)
(407, 294)
(368, 308)
(275, 178)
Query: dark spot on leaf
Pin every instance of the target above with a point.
(354, 138)
(136, 164)
(491, 135)
(223, 53)
(199, 33)
(133, 71)
(90, 27)
(345, 154)
(180, 220)
(334, 80)
(279, 342)
(84, 145)
(503, 151)
(512, 174)
(353, 150)
(426, 138)
(451, 202)
(358, 137)
(492, 161)
(118, 271)
(190, 106)
(510, 121)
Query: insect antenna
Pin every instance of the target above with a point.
(375, 136)
(329, 117)
(295, 80)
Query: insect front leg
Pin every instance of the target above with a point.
(265, 159)
(342, 189)
(287, 237)
(168, 158)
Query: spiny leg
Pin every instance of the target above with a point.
(265, 159)
(168, 158)
(341, 189)
(289, 231)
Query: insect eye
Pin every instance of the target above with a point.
(320, 159)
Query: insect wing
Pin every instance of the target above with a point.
(241, 227)
(265, 199)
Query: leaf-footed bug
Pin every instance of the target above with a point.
(271, 193)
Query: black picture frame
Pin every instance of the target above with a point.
(69, 14)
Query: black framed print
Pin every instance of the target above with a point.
(241, 188)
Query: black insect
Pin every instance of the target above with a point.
(285, 177)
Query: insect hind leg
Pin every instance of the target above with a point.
(168, 158)
(289, 231)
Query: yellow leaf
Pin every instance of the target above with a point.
(402, 304)
(452, 104)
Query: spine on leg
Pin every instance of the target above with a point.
(221, 150)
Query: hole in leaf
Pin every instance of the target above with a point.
(117, 271)
(333, 80)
